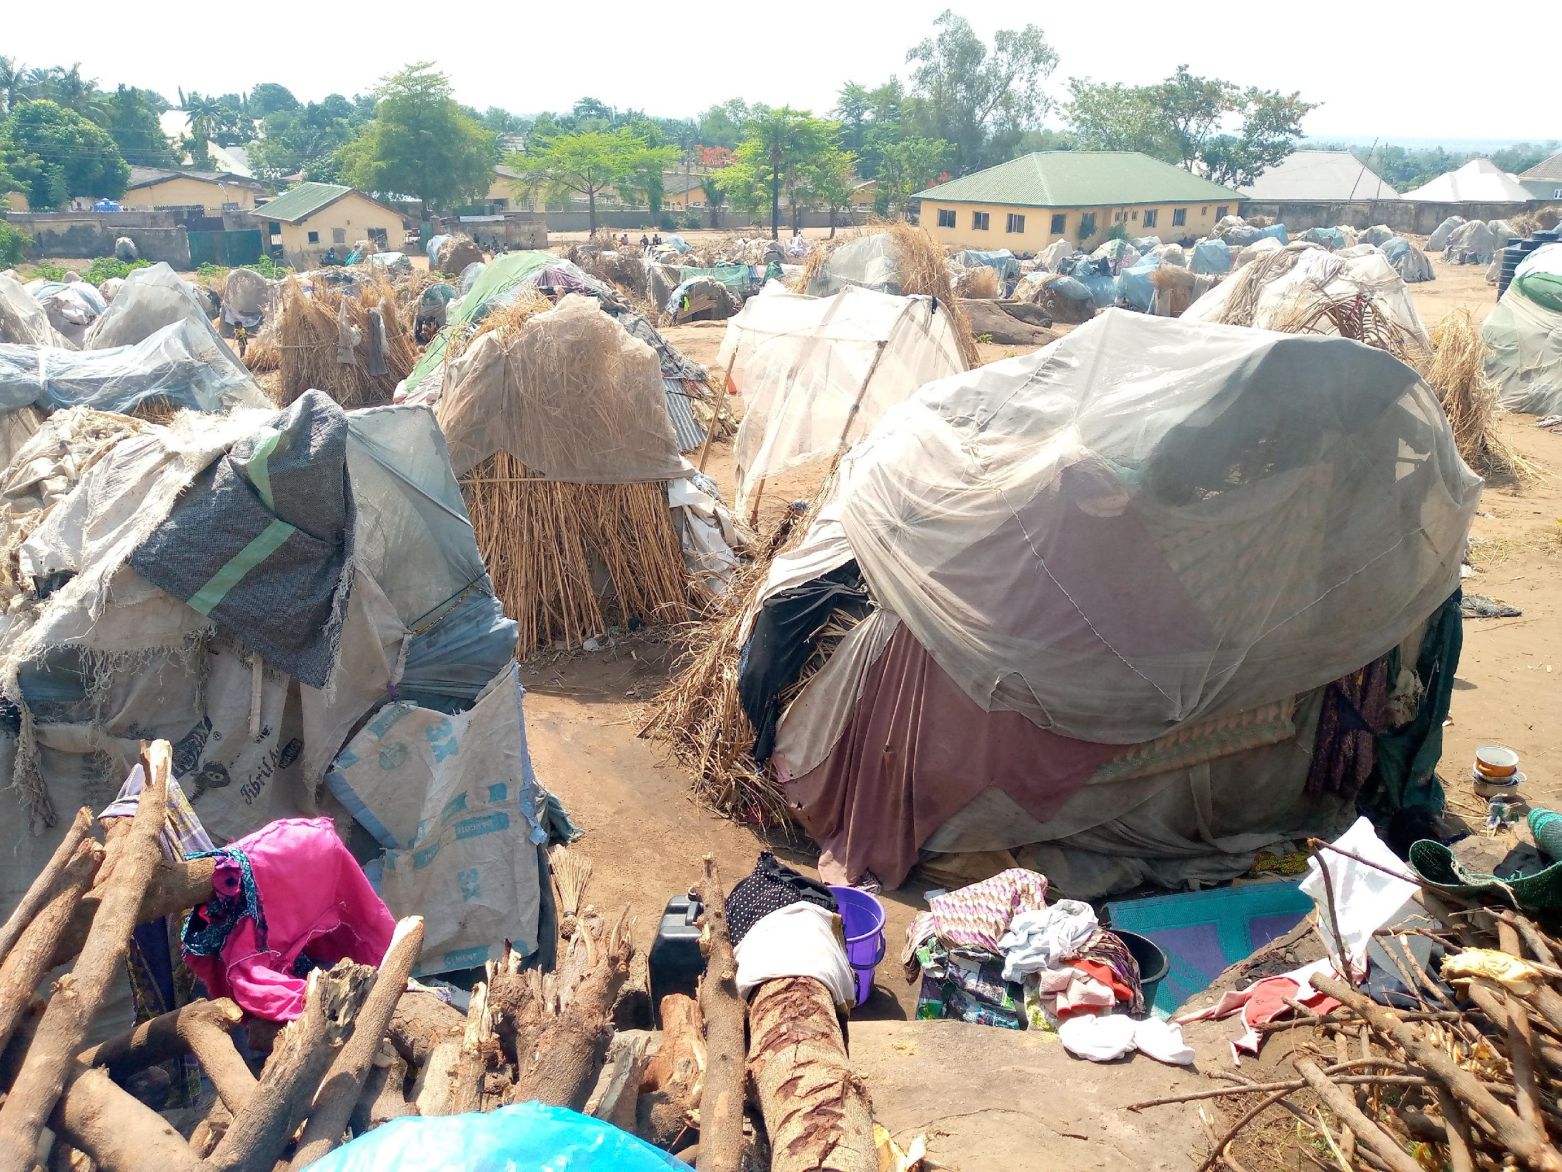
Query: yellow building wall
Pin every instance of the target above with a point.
(1200, 220)
(182, 192)
(339, 226)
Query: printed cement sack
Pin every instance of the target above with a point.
(455, 803)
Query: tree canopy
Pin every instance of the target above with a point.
(420, 143)
(53, 154)
(784, 156)
(589, 162)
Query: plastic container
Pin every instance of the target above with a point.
(675, 961)
(1153, 965)
(1495, 762)
(863, 918)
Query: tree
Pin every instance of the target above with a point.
(779, 151)
(55, 153)
(588, 163)
(420, 143)
(1180, 120)
(828, 183)
(131, 120)
(980, 100)
(305, 140)
(907, 166)
(268, 97)
(714, 197)
(13, 80)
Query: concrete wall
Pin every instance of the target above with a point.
(1035, 228)
(60, 235)
(1408, 216)
(637, 220)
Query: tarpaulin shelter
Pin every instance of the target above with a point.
(1113, 586)
(1523, 336)
(358, 513)
(1002, 259)
(817, 373)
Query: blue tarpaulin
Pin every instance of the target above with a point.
(1276, 232)
(1090, 274)
(1007, 264)
(1134, 285)
(1211, 256)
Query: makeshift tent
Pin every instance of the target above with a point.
(1478, 181)
(71, 306)
(1438, 240)
(1379, 234)
(1408, 260)
(817, 373)
(364, 524)
(556, 423)
(1524, 336)
(22, 320)
(1002, 259)
(1112, 585)
(517, 274)
(1471, 244)
(1135, 286)
(1212, 256)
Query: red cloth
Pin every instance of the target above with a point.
(1105, 975)
(916, 751)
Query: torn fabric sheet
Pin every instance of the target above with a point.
(1365, 898)
(1264, 1001)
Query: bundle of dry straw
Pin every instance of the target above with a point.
(923, 272)
(1457, 372)
(568, 561)
(310, 338)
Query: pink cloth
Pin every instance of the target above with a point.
(1264, 1001)
(316, 901)
(916, 751)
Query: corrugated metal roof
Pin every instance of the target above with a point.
(690, 434)
(1332, 176)
(1064, 179)
(298, 203)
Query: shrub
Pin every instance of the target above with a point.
(13, 245)
(105, 268)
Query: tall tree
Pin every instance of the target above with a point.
(714, 198)
(907, 165)
(979, 99)
(420, 143)
(1117, 117)
(13, 82)
(775, 158)
(131, 120)
(56, 153)
(587, 164)
(268, 97)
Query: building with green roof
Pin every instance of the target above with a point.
(1028, 202)
(307, 220)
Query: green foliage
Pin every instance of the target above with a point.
(788, 155)
(1118, 231)
(305, 140)
(54, 153)
(104, 268)
(265, 266)
(131, 120)
(1180, 120)
(979, 99)
(49, 271)
(906, 167)
(269, 98)
(420, 143)
(13, 244)
(589, 162)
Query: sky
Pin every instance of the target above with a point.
(636, 55)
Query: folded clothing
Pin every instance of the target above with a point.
(799, 940)
(1045, 939)
(771, 886)
(287, 899)
(1109, 1037)
(977, 916)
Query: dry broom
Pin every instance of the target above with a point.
(571, 874)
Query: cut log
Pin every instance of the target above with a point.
(201, 1028)
(77, 995)
(816, 1112)
(305, 1049)
(44, 887)
(420, 1023)
(561, 1059)
(117, 1131)
(384, 1092)
(1373, 1137)
(338, 1095)
(675, 1075)
(477, 1049)
(175, 888)
(433, 1092)
(721, 1097)
(29, 959)
(617, 1092)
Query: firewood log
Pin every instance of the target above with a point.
(384, 1092)
(202, 1029)
(29, 959)
(721, 1099)
(45, 886)
(674, 1076)
(117, 1131)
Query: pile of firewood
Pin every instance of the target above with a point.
(367, 1049)
(1462, 1082)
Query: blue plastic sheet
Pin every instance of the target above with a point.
(1276, 232)
(1103, 289)
(1007, 264)
(1394, 248)
(524, 1137)
(1134, 285)
(1331, 238)
(1211, 256)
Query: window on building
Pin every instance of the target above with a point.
(1016, 223)
(946, 217)
(1150, 216)
(338, 235)
(1179, 217)
(980, 220)
(1220, 212)
(1087, 225)
(1204, 211)
(1059, 223)
(1134, 215)
(380, 237)
(314, 238)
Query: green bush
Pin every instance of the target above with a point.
(50, 271)
(13, 244)
(106, 268)
(691, 219)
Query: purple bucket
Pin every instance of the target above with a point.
(862, 916)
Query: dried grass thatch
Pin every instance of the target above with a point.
(313, 344)
(568, 561)
(456, 253)
(261, 353)
(1457, 372)
(1356, 316)
(1177, 288)
(980, 284)
(923, 271)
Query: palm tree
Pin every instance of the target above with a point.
(199, 113)
(12, 78)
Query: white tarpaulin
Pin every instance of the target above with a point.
(1524, 342)
(816, 373)
(454, 801)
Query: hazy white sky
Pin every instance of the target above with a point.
(1374, 76)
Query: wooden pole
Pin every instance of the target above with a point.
(1370, 1135)
(78, 994)
(710, 432)
(201, 1028)
(32, 956)
(721, 1099)
(42, 889)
